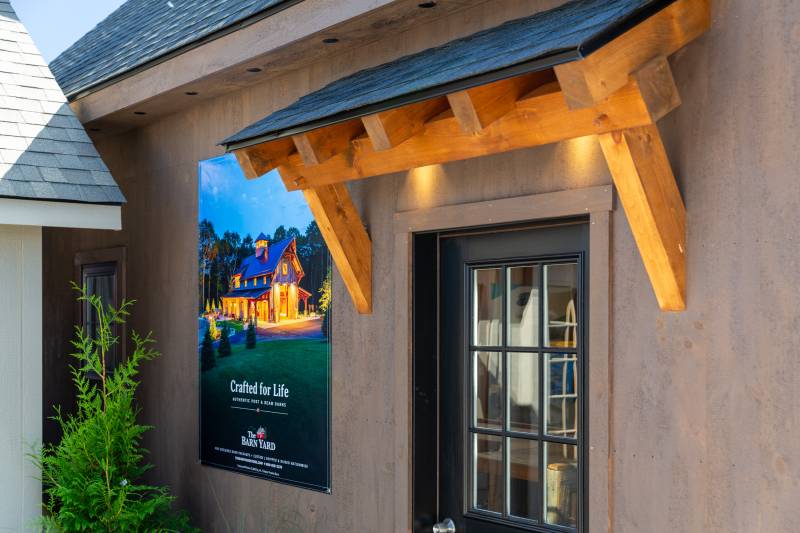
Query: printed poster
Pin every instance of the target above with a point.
(264, 300)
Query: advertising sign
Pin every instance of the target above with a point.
(263, 329)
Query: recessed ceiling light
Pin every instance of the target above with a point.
(139, 113)
(427, 5)
(191, 93)
(254, 69)
(330, 40)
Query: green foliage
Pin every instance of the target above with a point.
(92, 477)
(250, 336)
(325, 304)
(325, 293)
(207, 360)
(224, 348)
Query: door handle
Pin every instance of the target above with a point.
(445, 526)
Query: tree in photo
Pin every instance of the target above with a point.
(224, 348)
(207, 252)
(250, 336)
(207, 360)
(92, 478)
(325, 303)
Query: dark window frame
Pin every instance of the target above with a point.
(95, 262)
(542, 350)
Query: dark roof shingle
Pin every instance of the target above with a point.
(140, 31)
(565, 33)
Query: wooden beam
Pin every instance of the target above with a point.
(539, 118)
(477, 108)
(653, 205)
(346, 238)
(657, 87)
(257, 160)
(605, 71)
(317, 146)
(390, 128)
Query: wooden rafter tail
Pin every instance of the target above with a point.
(649, 194)
(347, 240)
(606, 70)
(388, 129)
(479, 107)
(257, 160)
(317, 146)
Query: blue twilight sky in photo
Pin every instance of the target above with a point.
(56, 24)
(234, 203)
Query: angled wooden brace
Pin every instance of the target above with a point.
(648, 192)
(347, 240)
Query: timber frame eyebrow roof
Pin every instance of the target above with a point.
(141, 32)
(566, 33)
(590, 68)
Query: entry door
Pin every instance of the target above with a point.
(510, 379)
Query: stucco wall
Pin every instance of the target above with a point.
(705, 409)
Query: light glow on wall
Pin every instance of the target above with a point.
(423, 182)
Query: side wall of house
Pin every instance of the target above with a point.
(705, 406)
(20, 374)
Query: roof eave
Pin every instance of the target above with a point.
(538, 64)
(222, 32)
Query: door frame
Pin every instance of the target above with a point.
(597, 203)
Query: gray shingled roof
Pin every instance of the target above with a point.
(565, 33)
(45, 153)
(141, 31)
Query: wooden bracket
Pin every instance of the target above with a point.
(346, 238)
(647, 188)
(653, 205)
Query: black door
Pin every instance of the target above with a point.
(511, 320)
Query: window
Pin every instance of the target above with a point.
(285, 268)
(523, 431)
(102, 273)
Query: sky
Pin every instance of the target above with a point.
(233, 203)
(56, 24)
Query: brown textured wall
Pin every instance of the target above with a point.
(705, 407)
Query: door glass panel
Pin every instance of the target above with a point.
(523, 306)
(488, 389)
(523, 476)
(488, 469)
(487, 324)
(523, 392)
(561, 484)
(561, 305)
(561, 410)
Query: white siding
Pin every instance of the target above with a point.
(20, 374)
